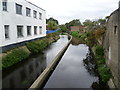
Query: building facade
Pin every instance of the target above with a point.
(20, 21)
(112, 46)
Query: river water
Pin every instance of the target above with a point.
(23, 74)
(73, 71)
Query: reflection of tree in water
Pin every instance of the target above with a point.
(89, 63)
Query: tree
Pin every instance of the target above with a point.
(75, 22)
(52, 25)
(63, 28)
(89, 24)
(52, 19)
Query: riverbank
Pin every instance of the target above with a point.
(90, 39)
(18, 54)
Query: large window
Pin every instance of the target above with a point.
(34, 14)
(35, 30)
(4, 4)
(40, 29)
(28, 30)
(19, 31)
(6, 28)
(18, 9)
(28, 12)
(40, 15)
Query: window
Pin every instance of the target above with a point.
(35, 30)
(20, 31)
(28, 30)
(6, 27)
(40, 30)
(40, 15)
(28, 12)
(115, 29)
(4, 4)
(35, 14)
(18, 9)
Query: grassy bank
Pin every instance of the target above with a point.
(18, 54)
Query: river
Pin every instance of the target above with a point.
(23, 74)
(73, 71)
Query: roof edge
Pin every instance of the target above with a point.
(35, 5)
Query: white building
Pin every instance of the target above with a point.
(20, 21)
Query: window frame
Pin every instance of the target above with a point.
(4, 8)
(17, 9)
(8, 32)
(29, 29)
(20, 34)
(35, 30)
(40, 16)
(28, 14)
(34, 14)
(40, 29)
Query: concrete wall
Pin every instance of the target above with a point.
(111, 45)
(12, 19)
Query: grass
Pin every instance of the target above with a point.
(14, 57)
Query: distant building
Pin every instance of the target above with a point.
(76, 28)
(112, 46)
(20, 21)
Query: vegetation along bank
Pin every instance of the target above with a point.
(18, 54)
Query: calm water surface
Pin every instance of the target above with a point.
(22, 75)
(72, 71)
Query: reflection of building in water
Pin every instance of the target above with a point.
(25, 74)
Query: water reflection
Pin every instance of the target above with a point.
(71, 72)
(23, 74)
(89, 63)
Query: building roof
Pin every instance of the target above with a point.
(35, 5)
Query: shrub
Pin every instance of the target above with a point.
(14, 57)
(99, 51)
(37, 46)
(104, 73)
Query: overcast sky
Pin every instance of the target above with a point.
(67, 10)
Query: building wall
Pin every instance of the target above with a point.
(111, 45)
(11, 18)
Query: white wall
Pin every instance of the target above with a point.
(11, 18)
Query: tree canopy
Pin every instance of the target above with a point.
(52, 19)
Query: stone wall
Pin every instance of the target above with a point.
(111, 45)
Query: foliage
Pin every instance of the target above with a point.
(75, 22)
(99, 32)
(75, 34)
(52, 19)
(63, 28)
(104, 71)
(99, 50)
(37, 46)
(52, 25)
(14, 57)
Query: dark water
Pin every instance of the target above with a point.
(75, 70)
(22, 75)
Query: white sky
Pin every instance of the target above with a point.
(67, 10)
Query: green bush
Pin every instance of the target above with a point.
(104, 73)
(99, 51)
(14, 57)
(38, 45)
(103, 70)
